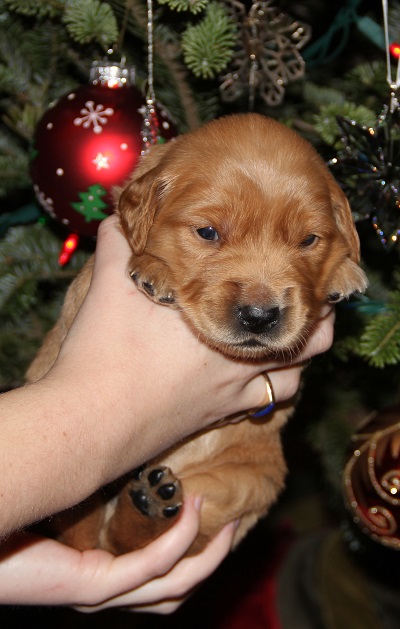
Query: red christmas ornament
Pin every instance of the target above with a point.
(372, 477)
(89, 142)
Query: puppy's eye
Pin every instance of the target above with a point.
(312, 239)
(208, 233)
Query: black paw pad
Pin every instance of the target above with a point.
(166, 492)
(167, 299)
(140, 500)
(155, 476)
(137, 473)
(333, 298)
(171, 511)
(149, 288)
(155, 491)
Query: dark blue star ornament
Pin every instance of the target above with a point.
(368, 168)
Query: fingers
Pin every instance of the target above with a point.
(167, 592)
(285, 383)
(112, 248)
(174, 588)
(115, 584)
(165, 578)
(285, 378)
(322, 337)
(110, 239)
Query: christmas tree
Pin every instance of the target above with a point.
(321, 69)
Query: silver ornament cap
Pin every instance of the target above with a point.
(112, 74)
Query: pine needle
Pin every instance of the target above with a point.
(208, 46)
(91, 21)
(32, 285)
(326, 124)
(194, 6)
(380, 341)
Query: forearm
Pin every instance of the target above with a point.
(56, 448)
(41, 453)
(70, 433)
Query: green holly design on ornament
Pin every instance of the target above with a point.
(91, 203)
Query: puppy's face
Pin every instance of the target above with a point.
(254, 233)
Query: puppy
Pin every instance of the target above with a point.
(241, 226)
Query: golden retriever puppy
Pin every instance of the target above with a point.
(241, 226)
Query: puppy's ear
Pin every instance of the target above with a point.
(139, 200)
(344, 219)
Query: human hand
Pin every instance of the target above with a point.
(142, 363)
(285, 376)
(131, 380)
(40, 571)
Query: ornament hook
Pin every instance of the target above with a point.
(150, 124)
(394, 85)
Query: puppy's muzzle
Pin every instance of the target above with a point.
(257, 319)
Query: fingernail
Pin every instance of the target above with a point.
(198, 502)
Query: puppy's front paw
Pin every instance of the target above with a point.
(349, 278)
(152, 278)
(156, 492)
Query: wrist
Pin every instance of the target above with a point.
(108, 415)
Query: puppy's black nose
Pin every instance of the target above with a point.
(257, 319)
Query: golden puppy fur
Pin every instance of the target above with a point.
(241, 226)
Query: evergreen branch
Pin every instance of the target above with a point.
(194, 6)
(29, 256)
(22, 120)
(380, 341)
(39, 8)
(179, 75)
(208, 47)
(326, 124)
(91, 21)
(366, 78)
(13, 165)
(32, 74)
(167, 52)
(9, 81)
(318, 95)
(16, 71)
(32, 285)
(14, 174)
(394, 22)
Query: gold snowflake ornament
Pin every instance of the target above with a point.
(268, 57)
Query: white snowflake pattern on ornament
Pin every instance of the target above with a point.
(93, 114)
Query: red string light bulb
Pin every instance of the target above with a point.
(395, 50)
(70, 245)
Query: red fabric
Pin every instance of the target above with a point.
(256, 608)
